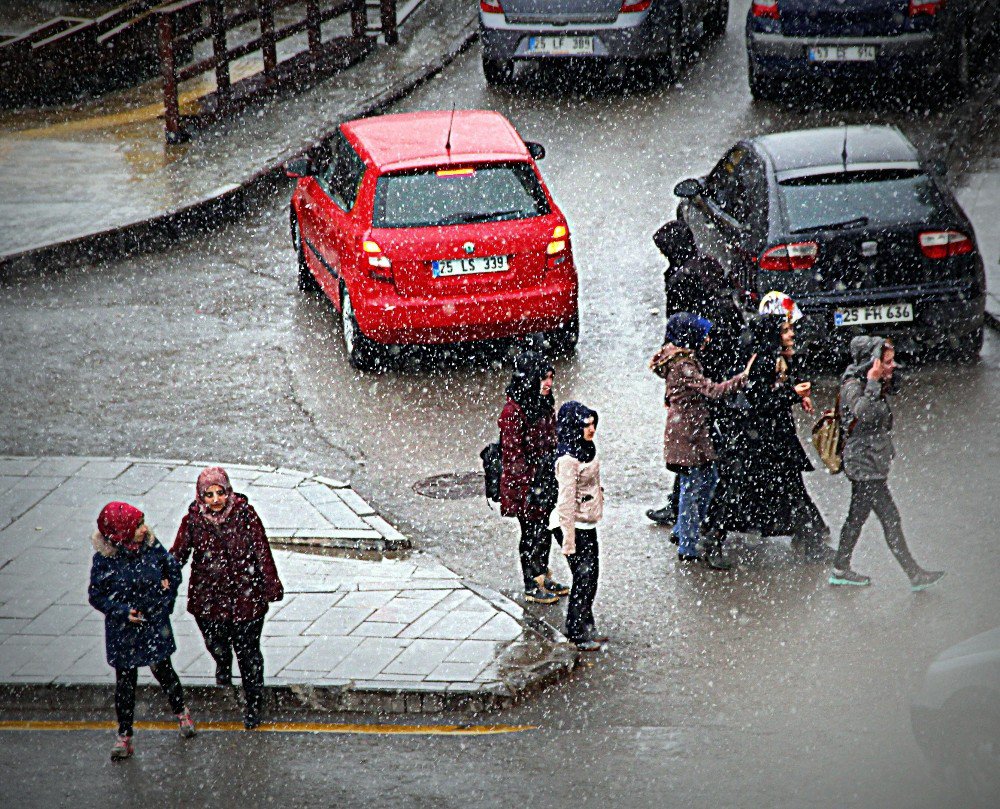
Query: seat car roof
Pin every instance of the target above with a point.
(418, 139)
(816, 151)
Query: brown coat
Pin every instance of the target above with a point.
(686, 438)
(528, 450)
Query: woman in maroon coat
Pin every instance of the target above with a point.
(233, 578)
(528, 487)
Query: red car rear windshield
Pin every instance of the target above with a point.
(458, 196)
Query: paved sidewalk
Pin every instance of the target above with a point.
(392, 635)
(100, 175)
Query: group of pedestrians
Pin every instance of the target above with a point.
(730, 437)
(134, 582)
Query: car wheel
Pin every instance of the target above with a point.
(970, 345)
(306, 282)
(363, 353)
(564, 339)
(717, 20)
(761, 87)
(498, 72)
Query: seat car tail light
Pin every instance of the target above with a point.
(632, 6)
(928, 7)
(766, 8)
(490, 6)
(944, 243)
(795, 256)
(379, 266)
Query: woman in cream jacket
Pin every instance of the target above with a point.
(579, 508)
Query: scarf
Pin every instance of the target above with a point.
(525, 385)
(569, 429)
(215, 476)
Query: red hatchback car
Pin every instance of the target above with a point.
(433, 227)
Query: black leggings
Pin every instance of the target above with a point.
(222, 638)
(536, 539)
(585, 567)
(868, 496)
(125, 680)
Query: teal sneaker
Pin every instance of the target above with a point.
(849, 577)
(924, 579)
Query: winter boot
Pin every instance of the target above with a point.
(254, 708)
(923, 579)
(122, 748)
(538, 594)
(662, 516)
(553, 586)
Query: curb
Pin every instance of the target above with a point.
(226, 202)
(991, 321)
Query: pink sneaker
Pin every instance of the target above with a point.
(122, 748)
(186, 724)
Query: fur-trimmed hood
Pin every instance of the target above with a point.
(107, 549)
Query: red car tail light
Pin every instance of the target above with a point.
(928, 7)
(379, 266)
(795, 256)
(766, 8)
(944, 243)
(555, 252)
(490, 6)
(631, 6)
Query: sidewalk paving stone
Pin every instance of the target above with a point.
(377, 628)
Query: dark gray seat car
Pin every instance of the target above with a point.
(654, 34)
(855, 226)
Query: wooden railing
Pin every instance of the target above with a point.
(255, 20)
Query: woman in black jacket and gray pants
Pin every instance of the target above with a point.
(866, 420)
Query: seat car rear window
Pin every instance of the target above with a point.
(859, 197)
(458, 196)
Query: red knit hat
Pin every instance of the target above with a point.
(118, 523)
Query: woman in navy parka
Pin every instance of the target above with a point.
(134, 581)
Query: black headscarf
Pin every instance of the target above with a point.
(569, 428)
(525, 385)
(763, 338)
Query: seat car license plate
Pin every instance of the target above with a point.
(468, 266)
(843, 53)
(561, 46)
(866, 315)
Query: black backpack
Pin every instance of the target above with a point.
(492, 468)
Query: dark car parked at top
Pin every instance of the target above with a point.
(854, 226)
(653, 34)
(915, 43)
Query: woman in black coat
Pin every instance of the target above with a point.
(133, 582)
(761, 487)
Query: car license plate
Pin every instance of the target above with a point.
(468, 266)
(843, 53)
(562, 46)
(866, 315)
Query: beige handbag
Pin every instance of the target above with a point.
(828, 439)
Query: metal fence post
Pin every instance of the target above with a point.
(168, 70)
(268, 49)
(359, 19)
(312, 26)
(387, 11)
(217, 22)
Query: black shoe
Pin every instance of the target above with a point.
(924, 579)
(539, 595)
(555, 587)
(251, 722)
(662, 516)
(674, 539)
(688, 557)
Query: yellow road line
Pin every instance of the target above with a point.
(282, 727)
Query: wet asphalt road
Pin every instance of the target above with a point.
(763, 687)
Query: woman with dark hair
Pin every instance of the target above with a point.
(687, 445)
(528, 486)
(233, 578)
(761, 487)
(134, 581)
(579, 507)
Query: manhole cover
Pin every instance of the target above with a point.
(451, 486)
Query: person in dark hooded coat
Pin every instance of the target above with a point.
(699, 287)
(528, 487)
(133, 582)
(233, 579)
(866, 422)
(579, 507)
(761, 487)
